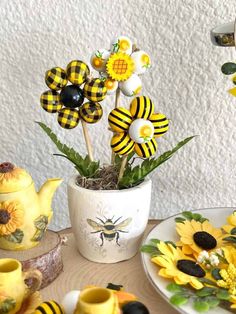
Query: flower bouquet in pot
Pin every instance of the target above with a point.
(109, 204)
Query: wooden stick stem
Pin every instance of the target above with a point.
(117, 100)
(87, 140)
(122, 167)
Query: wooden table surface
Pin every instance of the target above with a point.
(79, 272)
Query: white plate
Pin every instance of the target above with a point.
(166, 231)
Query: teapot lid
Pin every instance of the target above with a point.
(12, 178)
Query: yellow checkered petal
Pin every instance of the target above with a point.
(120, 119)
(122, 144)
(68, 118)
(56, 78)
(91, 112)
(141, 107)
(147, 149)
(95, 90)
(50, 101)
(77, 72)
(160, 123)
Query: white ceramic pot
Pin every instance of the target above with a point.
(108, 225)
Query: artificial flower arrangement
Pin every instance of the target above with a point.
(201, 266)
(135, 130)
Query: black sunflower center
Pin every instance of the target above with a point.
(4, 217)
(190, 268)
(204, 240)
(6, 167)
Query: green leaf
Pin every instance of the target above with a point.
(15, 237)
(207, 281)
(230, 239)
(171, 243)
(223, 294)
(174, 287)
(7, 305)
(150, 249)
(201, 306)
(188, 215)
(178, 299)
(155, 241)
(180, 219)
(206, 291)
(213, 301)
(136, 175)
(84, 166)
(216, 273)
(41, 222)
(228, 68)
(38, 235)
(233, 231)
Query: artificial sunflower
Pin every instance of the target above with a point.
(196, 236)
(30, 304)
(11, 217)
(122, 64)
(137, 128)
(175, 264)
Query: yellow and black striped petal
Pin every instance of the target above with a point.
(120, 119)
(122, 144)
(68, 118)
(141, 107)
(50, 307)
(77, 72)
(160, 123)
(50, 101)
(95, 90)
(56, 78)
(147, 149)
(91, 112)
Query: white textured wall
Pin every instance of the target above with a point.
(185, 82)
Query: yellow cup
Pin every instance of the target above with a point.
(97, 301)
(13, 289)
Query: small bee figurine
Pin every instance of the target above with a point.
(108, 228)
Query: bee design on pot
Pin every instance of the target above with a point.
(109, 229)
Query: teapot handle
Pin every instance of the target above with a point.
(36, 277)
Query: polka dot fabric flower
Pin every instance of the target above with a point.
(137, 128)
(68, 100)
(121, 65)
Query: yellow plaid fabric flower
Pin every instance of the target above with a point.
(136, 128)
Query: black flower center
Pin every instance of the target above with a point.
(190, 268)
(4, 217)
(6, 167)
(204, 240)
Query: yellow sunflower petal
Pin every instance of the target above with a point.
(227, 228)
(162, 261)
(164, 249)
(162, 273)
(196, 284)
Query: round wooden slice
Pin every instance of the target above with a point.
(46, 257)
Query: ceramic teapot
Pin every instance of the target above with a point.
(24, 213)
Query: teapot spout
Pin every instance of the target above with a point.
(47, 191)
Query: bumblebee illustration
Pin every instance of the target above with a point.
(108, 229)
